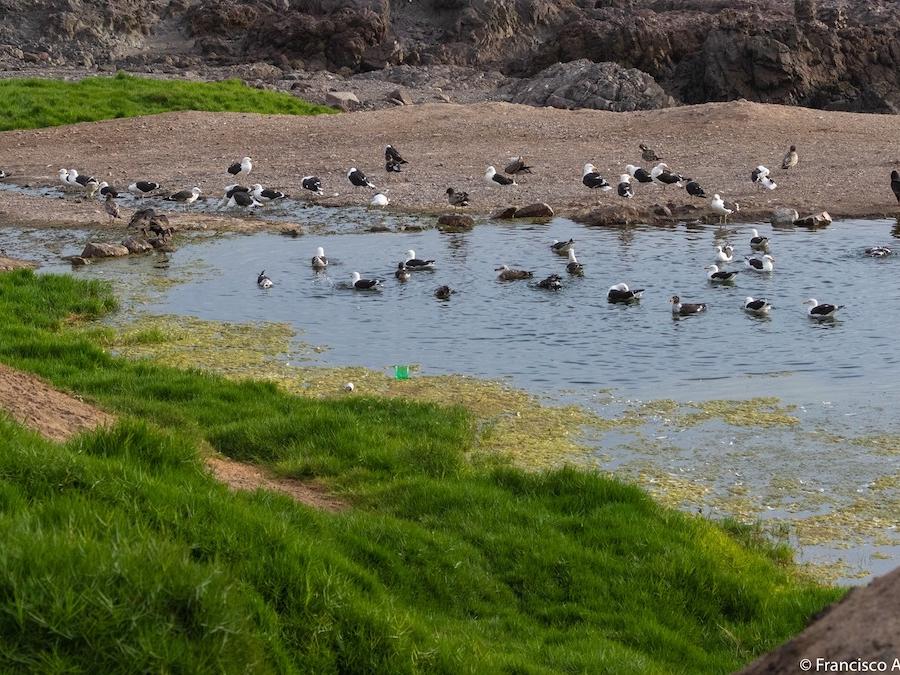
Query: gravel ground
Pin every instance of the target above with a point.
(845, 158)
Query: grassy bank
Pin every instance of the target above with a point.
(121, 554)
(35, 103)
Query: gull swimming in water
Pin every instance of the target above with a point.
(413, 263)
(758, 243)
(680, 308)
(621, 293)
(724, 253)
(821, 311)
(263, 281)
(573, 266)
(562, 247)
(764, 264)
(361, 284)
(759, 307)
(716, 275)
(507, 274)
(319, 261)
(402, 274)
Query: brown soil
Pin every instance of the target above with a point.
(864, 625)
(51, 413)
(59, 416)
(845, 158)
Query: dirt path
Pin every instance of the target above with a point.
(845, 158)
(58, 416)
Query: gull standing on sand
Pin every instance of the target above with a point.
(312, 183)
(266, 194)
(895, 184)
(624, 189)
(493, 178)
(760, 176)
(457, 198)
(517, 166)
(3, 174)
(380, 200)
(663, 176)
(790, 159)
(694, 190)
(358, 179)
(87, 183)
(106, 189)
(591, 178)
(391, 155)
(717, 204)
(639, 174)
(647, 154)
(242, 168)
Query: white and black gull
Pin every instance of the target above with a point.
(361, 284)
(715, 275)
(493, 178)
(358, 179)
(591, 178)
(263, 281)
(242, 168)
(415, 264)
(764, 264)
(624, 188)
(639, 174)
(562, 247)
(621, 293)
(757, 307)
(680, 308)
(319, 261)
(573, 266)
(821, 311)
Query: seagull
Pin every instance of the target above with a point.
(231, 189)
(591, 178)
(823, 311)
(661, 174)
(561, 247)
(443, 292)
(790, 159)
(457, 198)
(694, 190)
(724, 253)
(895, 184)
(391, 155)
(365, 284)
(764, 264)
(64, 177)
(879, 251)
(144, 187)
(414, 263)
(517, 166)
(402, 273)
(319, 261)
(506, 274)
(185, 196)
(492, 177)
(625, 190)
(551, 283)
(88, 183)
(3, 174)
(647, 154)
(312, 183)
(639, 174)
(263, 281)
(106, 189)
(380, 199)
(760, 176)
(621, 293)
(719, 276)
(242, 168)
(111, 207)
(574, 267)
(266, 194)
(392, 167)
(358, 178)
(149, 216)
(759, 307)
(758, 243)
(686, 308)
(717, 204)
(242, 198)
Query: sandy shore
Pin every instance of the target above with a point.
(845, 158)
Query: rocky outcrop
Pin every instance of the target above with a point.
(821, 219)
(102, 250)
(585, 84)
(455, 222)
(825, 53)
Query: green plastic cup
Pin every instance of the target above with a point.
(401, 372)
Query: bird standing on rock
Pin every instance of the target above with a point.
(647, 154)
(790, 159)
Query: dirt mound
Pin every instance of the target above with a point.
(865, 626)
(59, 416)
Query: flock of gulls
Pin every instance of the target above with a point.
(256, 195)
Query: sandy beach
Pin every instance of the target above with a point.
(845, 158)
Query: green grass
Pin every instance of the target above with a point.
(33, 103)
(121, 555)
